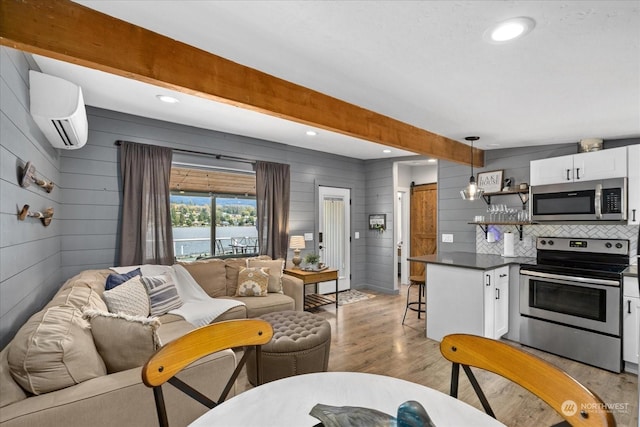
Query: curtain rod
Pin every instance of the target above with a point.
(201, 153)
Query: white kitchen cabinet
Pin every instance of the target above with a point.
(603, 164)
(465, 300)
(633, 185)
(630, 324)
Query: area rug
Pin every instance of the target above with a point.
(350, 296)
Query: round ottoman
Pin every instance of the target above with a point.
(300, 345)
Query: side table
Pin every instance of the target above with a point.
(315, 277)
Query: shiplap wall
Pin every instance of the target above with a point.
(30, 270)
(92, 189)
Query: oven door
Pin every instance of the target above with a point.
(592, 304)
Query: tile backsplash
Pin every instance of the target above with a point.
(526, 246)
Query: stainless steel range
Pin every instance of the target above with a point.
(570, 300)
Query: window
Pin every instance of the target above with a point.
(212, 213)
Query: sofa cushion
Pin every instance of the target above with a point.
(123, 341)
(10, 391)
(210, 275)
(116, 279)
(163, 295)
(276, 268)
(80, 297)
(253, 282)
(53, 350)
(232, 268)
(257, 306)
(129, 298)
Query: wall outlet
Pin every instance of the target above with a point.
(308, 237)
(447, 238)
(357, 234)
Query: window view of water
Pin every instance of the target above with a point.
(192, 242)
(195, 215)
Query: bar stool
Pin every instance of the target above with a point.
(421, 306)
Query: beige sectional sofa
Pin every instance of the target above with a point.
(74, 364)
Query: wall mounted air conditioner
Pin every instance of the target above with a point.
(57, 107)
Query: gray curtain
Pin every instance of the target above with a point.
(272, 199)
(145, 232)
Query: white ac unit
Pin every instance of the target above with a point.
(57, 107)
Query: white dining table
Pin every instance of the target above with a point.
(287, 402)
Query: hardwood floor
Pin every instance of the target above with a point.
(368, 336)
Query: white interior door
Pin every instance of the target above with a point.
(402, 234)
(334, 228)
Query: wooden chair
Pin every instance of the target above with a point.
(574, 402)
(178, 354)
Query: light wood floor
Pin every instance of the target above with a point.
(368, 336)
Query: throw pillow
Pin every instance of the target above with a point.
(54, 350)
(253, 282)
(163, 295)
(123, 341)
(129, 298)
(210, 275)
(275, 267)
(115, 279)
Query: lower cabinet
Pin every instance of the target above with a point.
(630, 324)
(464, 300)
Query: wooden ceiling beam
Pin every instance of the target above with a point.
(70, 32)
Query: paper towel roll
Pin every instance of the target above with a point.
(509, 245)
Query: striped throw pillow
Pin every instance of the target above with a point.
(163, 295)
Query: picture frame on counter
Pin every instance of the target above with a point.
(491, 182)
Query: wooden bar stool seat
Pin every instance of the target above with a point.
(419, 306)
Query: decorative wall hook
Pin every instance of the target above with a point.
(29, 176)
(45, 216)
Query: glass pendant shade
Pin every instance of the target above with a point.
(471, 191)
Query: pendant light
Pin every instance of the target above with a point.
(472, 191)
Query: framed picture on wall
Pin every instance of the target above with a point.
(490, 182)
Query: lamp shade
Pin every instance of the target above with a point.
(296, 242)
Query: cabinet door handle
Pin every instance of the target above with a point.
(629, 306)
(497, 293)
(488, 280)
(503, 275)
(633, 214)
(577, 173)
(568, 170)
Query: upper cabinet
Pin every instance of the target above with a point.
(633, 184)
(601, 164)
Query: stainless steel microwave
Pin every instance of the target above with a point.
(602, 200)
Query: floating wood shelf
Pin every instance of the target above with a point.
(518, 224)
(523, 194)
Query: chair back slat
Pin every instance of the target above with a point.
(551, 384)
(174, 356)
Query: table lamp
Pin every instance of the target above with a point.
(296, 243)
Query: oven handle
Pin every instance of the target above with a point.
(571, 278)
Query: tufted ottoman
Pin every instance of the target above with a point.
(300, 345)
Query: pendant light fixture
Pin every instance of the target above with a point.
(471, 191)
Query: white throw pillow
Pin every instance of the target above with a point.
(129, 298)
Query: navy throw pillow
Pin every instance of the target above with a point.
(118, 279)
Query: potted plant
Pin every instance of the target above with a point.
(311, 258)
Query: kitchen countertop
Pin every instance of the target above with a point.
(471, 260)
(632, 271)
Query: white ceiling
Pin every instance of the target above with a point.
(575, 76)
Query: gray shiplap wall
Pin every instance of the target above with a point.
(30, 270)
(92, 187)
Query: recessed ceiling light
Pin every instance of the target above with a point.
(494, 144)
(386, 151)
(312, 133)
(509, 30)
(432, 160)
(168, 99)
